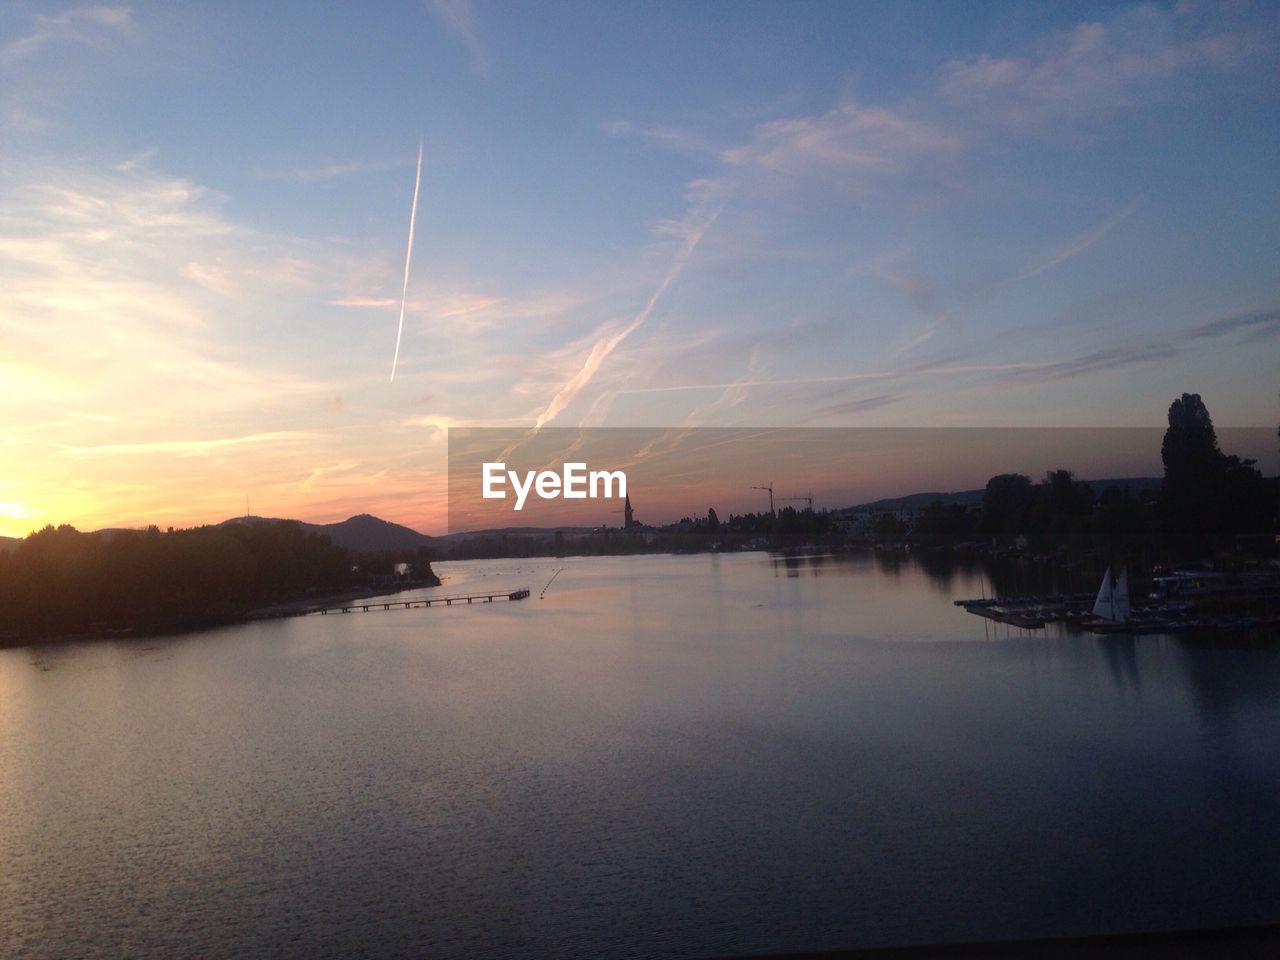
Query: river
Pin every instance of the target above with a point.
(665, 756)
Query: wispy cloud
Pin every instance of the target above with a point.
(676, 138)
(186, 447)
(459, 18)
(696, 228)
(1097, 361)
(1255, 325)
(861, 405)
(1077, 245)
(1258, 324)
(333, 169)
(80, 25)
(113, 292)
(850, 144)
(1099, 66)
(368, 302)
(901, 272)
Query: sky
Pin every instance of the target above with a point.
(661, 215)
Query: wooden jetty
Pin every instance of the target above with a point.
(1014, 618)
(1031, 613)
(446, 600)
(1164, 617)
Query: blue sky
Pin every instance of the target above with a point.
(677, 214)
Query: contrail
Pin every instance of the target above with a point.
(1077, 245)
(604, 347)
(408, 258)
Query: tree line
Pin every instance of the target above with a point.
(1206, 497)
(61, 581)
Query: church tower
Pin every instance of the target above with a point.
(628, 520)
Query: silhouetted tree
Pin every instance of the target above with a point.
(60, 580)
(1119, 514)
(940, 522)
(887, 528)
(1005, 503)
(1062, 504)
(1192, 468)
(1205, 491)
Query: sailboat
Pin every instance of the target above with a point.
(1112, 604)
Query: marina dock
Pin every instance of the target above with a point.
(1221, 613)
(448, 600)
(1031, 613)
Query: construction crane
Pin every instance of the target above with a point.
(769, 487)
(808, 500)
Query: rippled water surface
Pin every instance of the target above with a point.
(667, 756)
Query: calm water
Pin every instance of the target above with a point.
(666, 756)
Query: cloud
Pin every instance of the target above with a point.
(319, 475)
(81, 25)
(460, 313)
(1078, 244)
(372, 302)
(1100, 66)
(212, 277)
(338, 168)
(1259, 324)
(1095, 362)
(850, 144)
(900, 272)
(696, 227)
(676, 138)
(113, 290)
(862, 405)
(761, 382)
(459, 18)
(186, 447)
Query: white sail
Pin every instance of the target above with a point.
(1104, 606)
(1120, 598)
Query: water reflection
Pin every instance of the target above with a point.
(891, 562)
(667, 756)
(1228, 681)
(1122, 660)
(793, 564)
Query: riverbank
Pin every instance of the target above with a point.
(287, 608)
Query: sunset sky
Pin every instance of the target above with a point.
(633, 214)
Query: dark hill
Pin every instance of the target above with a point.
(359, 534)
(369, 534)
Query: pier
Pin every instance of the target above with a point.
(447, 600)
(1031, 613)
(1224, 612)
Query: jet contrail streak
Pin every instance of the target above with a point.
(408, 258)
(603, 348)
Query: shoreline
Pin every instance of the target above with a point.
(276, 611)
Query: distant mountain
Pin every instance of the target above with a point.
(538, 533)
(9, 544)
(359, 534)
(918, 501)
(369, 534)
